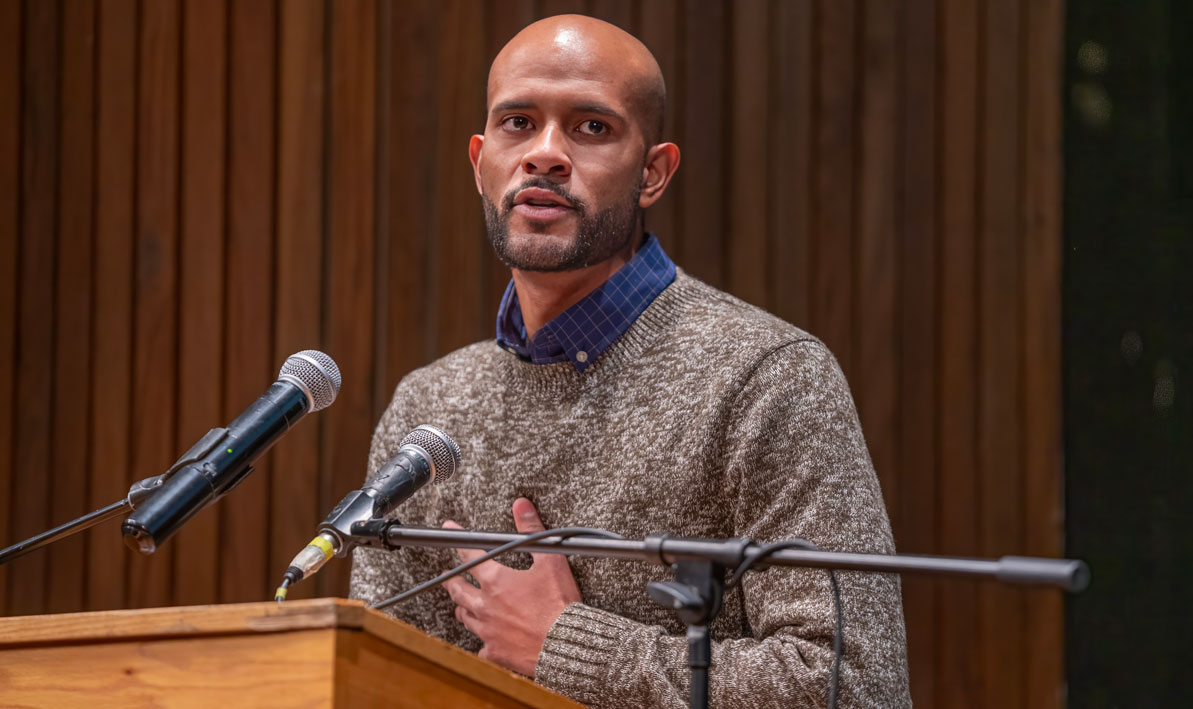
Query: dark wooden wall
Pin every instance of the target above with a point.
(192, 190)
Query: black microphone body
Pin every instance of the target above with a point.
(427, 454)
(224, 457)
(397, 480)
(227, 462)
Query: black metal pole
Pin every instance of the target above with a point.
(112, 511)
(1069, 574)
(699, 660)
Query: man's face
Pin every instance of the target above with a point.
(560, 166)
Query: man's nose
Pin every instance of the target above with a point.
(548, 155)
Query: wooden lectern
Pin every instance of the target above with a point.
(317, 653)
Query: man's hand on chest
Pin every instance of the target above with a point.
(513, 610)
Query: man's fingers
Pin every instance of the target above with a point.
(468, 619)
(480, 572)
(463, 594)
(526, 518)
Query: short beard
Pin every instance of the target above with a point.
(599, 236)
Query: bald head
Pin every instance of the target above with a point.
(579, 47)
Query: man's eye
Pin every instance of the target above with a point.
(517, 122)
(593, 127)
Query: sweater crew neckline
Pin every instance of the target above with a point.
(659, 318)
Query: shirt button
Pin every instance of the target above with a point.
(581, 356)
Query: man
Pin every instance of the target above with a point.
(623, 394)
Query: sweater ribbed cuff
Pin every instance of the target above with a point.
(579, 651)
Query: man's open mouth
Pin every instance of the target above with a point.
(541, 198)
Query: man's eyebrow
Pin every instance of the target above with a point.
(514, 105)
(522, 105)
(598, 108)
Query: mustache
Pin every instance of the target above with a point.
(507, 203)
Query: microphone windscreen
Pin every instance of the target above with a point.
(445, 454)
(316, 374)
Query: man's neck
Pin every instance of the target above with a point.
(543, 296)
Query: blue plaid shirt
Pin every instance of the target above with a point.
(583, 332)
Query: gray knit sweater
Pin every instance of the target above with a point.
(708, 418)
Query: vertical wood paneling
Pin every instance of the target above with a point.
(382, 174)
(957, 668)
(790, 125)
(350, 260)
(876, 304)
(831, 303)
(618, 12)
(458, 252)
(560, 7)
(269, 177)
(201, 278)
(913, 512)
(10, 190)
(704, 125)
(1043, 24)
(155, 345)
(999, 381)
(111, 386)
(35, 323)
(294, 494)
(749, 157)
(249, 314)
(72, 321)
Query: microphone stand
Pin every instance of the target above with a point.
(140, 491)
(700, 566)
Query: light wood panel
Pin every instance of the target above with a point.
(191, 191)
(309, 653)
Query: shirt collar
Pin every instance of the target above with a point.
(583, 332)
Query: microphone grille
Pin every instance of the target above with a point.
(316, 373)
(445, 454)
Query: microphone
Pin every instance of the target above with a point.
(427, 454)
(308, 381)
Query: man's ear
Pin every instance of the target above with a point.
(662, 161)
(475, 143)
